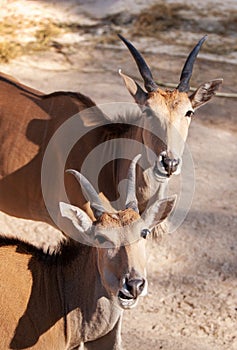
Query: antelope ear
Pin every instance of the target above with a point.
(159, 211)
(78, 217)
(205, 92)
(139, 95)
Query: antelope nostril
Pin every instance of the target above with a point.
(174, 164)
(141, 285)
(135, 286)
(170, 165)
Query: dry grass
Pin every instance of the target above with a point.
(107, 39)
(9, 50)
(163, 18)
(168, 22)
(159, 18)
(19, 37)
(46, 33)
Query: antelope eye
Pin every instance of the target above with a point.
(149, 112)
(101, 239)
(189, 113)
(145, 233)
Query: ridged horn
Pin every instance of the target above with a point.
(92, 195)
(188, 67)
(131, 200)
(144, 70)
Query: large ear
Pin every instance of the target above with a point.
(78, 217)
(159, 211)
(205, 92)
(139, 95)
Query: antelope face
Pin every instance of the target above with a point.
(121, 256)
(121, 250)
(119, 239)
(168, 112)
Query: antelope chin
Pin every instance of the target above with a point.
(125, 301)
(159, 171)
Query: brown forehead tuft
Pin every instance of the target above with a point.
(170, 98)
(121, 218)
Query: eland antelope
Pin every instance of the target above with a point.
(75, 298)
(29, 119)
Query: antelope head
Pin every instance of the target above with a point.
(168, 112)
(119, 238)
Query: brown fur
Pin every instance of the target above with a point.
(172, 98)
(29, 119)
(120, 219)
(68, 299)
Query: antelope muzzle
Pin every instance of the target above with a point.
(169, 163)
(133, 287)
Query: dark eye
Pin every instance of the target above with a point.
(145, 233)
(189, 113)
(149, 112)
(101, 239)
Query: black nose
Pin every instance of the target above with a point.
(135, 286)
(170, 164)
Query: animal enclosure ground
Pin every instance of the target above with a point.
(192, 300)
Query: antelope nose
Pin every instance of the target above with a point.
(135, 286)
(170, 164)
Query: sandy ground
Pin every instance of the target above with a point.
(192, 300)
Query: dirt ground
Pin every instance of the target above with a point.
(192, 299)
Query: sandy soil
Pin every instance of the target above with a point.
(192, 300)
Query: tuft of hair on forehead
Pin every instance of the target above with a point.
(171, 98)
(119, 219)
